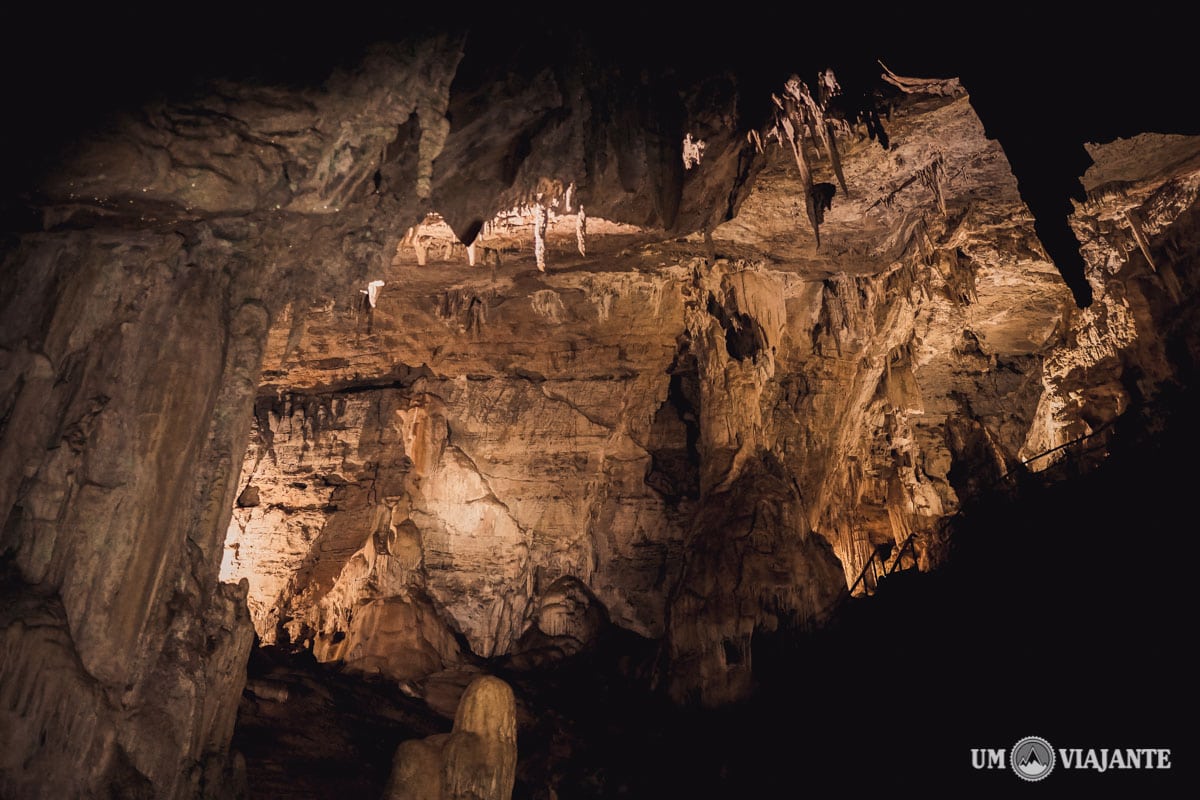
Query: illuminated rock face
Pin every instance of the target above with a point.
(709, 447)
(593, 424)
(477, 760)
(696, 425)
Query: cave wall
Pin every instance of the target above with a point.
(143, 267)
(136, 314)
(129, 376)
(595, 420)
(698, 431)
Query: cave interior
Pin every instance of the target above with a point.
(577, 403)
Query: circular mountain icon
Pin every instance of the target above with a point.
(1032, 758)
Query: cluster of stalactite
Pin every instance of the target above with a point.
(798, 114)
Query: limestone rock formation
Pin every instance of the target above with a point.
(118, 473)
(343, 364)
(752, 567)
(477, 760)
(888, 377)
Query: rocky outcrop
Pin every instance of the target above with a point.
(118, 469)
(461, 355)
(134, 332)
(913, 359)
(752, 567)
(430, 497)
(477, 760)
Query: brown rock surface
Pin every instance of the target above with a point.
(583, 437)
(477, 760)
(446, 350)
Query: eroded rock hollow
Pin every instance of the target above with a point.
(463, 358)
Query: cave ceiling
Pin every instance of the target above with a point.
(600, 100)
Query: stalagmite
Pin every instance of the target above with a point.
(481, 754)
(477, 760)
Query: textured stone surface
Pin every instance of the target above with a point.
(586, 438)
(688, 420)
(131, 375)
(477, 760)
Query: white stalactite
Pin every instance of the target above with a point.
(471, 254)
(539, 235)
(372, 292)
(414, 236)
(581, 231)
(693, 151)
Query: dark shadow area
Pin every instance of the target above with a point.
(1059, 615)
(309, 730)
(1041, 86)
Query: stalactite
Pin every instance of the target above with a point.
(829, 88)
(789, 127)
(693, 151)
(581, 231)
(931, 176)
(1139, 236)
(471, 254)
(540, 220)
(960, 278)
(372, 292)
(798, 114)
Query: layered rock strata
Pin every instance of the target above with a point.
(591, 422)
(674, 411)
